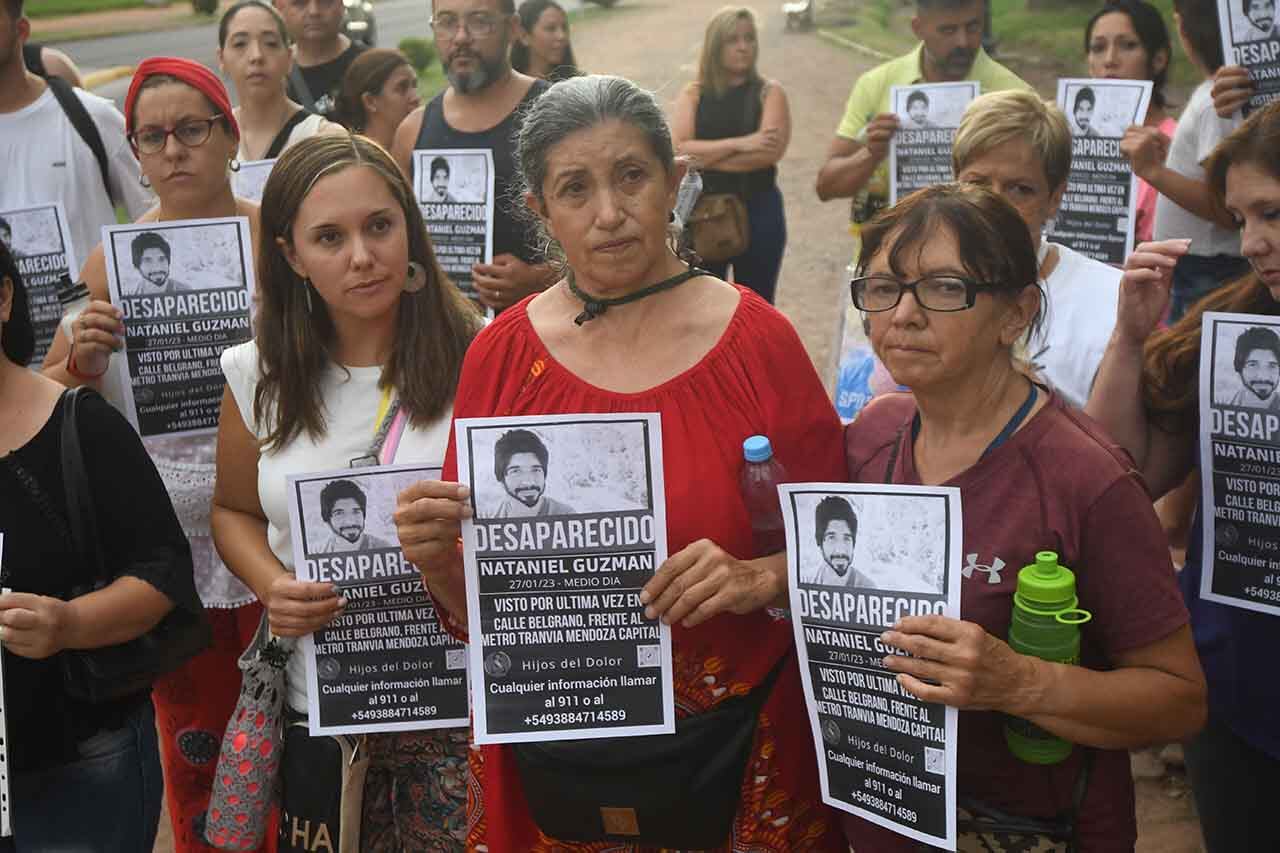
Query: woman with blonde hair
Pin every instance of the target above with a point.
(356, 319)
(735, 125)
(378, 91)
(1019, 147)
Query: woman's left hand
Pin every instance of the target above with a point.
(704, 580)
(974, 670)
(33, 626)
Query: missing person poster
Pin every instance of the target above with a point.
(1240, 460)
(385, 664)
(455, 189)
(569, 524)
(1099, 208)
(251, 178)
(928, 115)
(1250, 38)
(186, 288)
(860, 557)
(40, 241)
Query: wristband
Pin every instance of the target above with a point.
(71, 368)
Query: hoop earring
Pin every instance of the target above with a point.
(234, 164)
(144, 181)
(306, 289)
(417, 278)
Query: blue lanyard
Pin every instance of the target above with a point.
(1009, 429)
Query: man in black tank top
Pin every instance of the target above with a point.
(482, 109)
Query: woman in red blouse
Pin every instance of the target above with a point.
(718, 364)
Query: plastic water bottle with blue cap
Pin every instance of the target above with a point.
(761, 477)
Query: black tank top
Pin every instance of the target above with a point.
(737, 112)
(33, 60)
(511, 233)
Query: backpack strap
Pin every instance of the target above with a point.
(282, 138)
(80, 120)
(298, 86)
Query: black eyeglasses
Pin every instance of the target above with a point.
(478, 24)
(192, 133)
(933, 292)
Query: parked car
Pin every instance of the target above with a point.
(359, 23)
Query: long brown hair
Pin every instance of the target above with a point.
(711, 74)
(367, 75)
(296, 341)
(1171, 358)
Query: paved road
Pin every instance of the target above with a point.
(397, 19)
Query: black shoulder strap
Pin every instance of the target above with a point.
(298, 84)
(282, 138)
(80, 120)
(75, 482)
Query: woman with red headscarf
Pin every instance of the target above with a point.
(179, 119)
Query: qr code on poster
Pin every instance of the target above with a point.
(455, 658)
(935, 760)
(648, 656)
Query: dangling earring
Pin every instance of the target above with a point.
(306, 288)
(142, 179)
(234, 164)
(417, 278)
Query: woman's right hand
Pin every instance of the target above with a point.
(1232, 88)
(428, 520)
(95, 334)
(296, 608)
(1146, 148)
(1145, 287)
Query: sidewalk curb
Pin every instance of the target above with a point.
(853, 45)
(94, 79)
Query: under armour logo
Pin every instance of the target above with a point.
(972, 565)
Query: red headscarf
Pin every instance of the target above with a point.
(193, 74)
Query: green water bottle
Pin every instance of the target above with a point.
(1046, 624)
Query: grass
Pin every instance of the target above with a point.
(58, 8)
(1042, 43)
(431, 81)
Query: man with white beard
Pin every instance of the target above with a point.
(482, 108)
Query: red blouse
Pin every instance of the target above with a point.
(757, 379)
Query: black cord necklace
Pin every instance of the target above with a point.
(593, 307)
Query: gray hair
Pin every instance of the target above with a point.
(581, 103)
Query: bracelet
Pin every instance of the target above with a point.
(71, 368)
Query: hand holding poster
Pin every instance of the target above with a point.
(1099, 208)
(1251, 39)
(40, 242)
(186, 288)
(569, 525)
(455, 189)
(860, 557)
(928, 115)
(251, 178)
(1240, 460)
(384, 663)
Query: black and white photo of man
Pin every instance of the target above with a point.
(342, 506)
(439, 186)
(1082, 111)
(918, 111)
(152, 258)
(520, 463)
(1257, 361)
(836, 531)
(6, 235)
(1261, 15)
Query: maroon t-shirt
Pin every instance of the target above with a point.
(1057, 484)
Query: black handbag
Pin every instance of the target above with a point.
(114, 672)
(674, 791)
